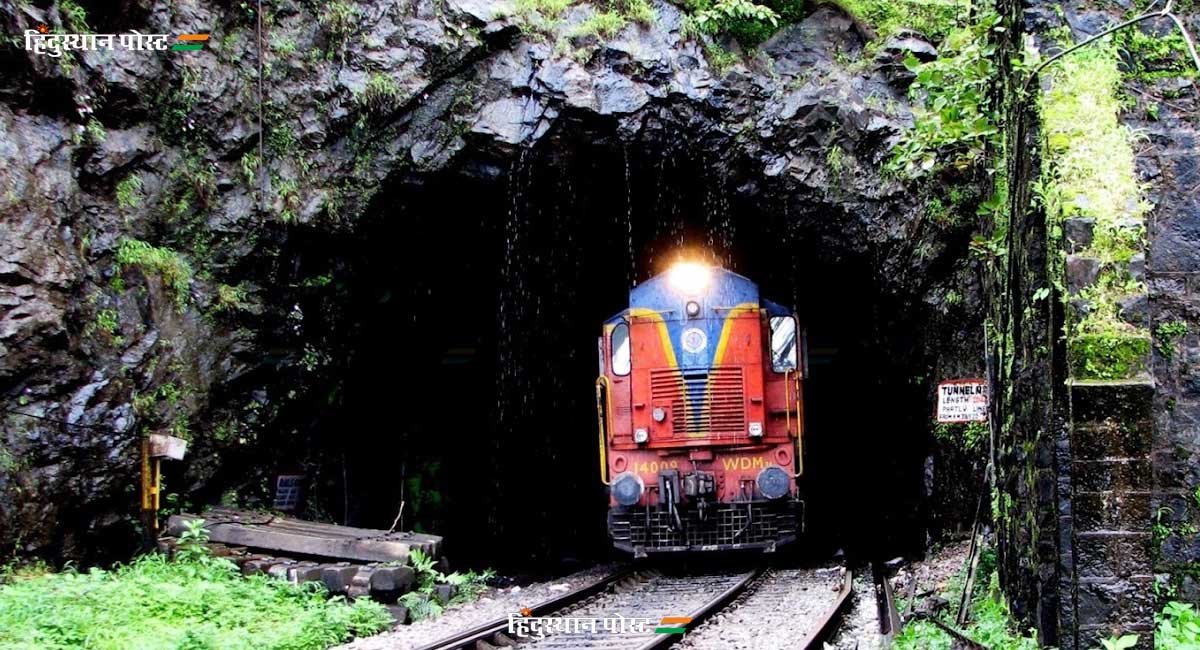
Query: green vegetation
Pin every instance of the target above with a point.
(968, 436)
(289, 193)
(129, 192)
(932, 18)
(229, 298)
(990, 624)
(380, 95)
(1122, 642)
(175, 105)
(95, 131)
(1108, 355)
(606, 20)
(193, 602)
(1156, 57)
(421, 603)
(107, 321)
(1089, 172)
(1092, 153)
(540, 15)
(175, 271)
(1178, 627)
(339, 19)
(190, 189)
(605, 24)
(74, 15)
(167, 393)
(249, 163)
(749, 22)
(955, 125)
(1167, 333)
(283, 46)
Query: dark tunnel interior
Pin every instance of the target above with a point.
(472, 304)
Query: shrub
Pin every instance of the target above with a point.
(160, 604)
(749, 22)
(1178, 626)
(955, 124)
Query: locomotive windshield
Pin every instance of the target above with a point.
(783, 344)
(620, 349)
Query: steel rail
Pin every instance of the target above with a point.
(833, 616)
(466, 639)
(889, 616)
(704, 611)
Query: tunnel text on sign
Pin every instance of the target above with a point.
(962, 400)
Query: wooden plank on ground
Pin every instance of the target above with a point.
(295, 536)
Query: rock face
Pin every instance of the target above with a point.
(105, 148)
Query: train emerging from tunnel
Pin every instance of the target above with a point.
(701, 416)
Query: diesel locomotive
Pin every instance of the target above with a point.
(701, 416)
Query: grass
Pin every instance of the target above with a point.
(380, 95)
(990, 625)
(605, 24)
(606, 20)
(169, 265)
(194, 603)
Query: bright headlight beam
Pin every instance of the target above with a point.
(689, 277)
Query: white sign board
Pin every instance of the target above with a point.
(962, 400)
(164, 446)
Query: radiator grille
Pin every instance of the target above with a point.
(716, 404)
(727, 523)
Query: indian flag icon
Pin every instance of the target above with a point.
(190, 43)
(673, 625)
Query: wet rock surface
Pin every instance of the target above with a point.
(116, 146)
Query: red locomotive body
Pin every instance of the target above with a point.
(701, 416)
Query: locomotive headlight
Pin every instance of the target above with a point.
(692, 308)
(689, 277)
(773, 482)
(659, 414)
(627, 488)
(640, 435)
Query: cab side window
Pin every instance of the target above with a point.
(784, 356)
(620, 349)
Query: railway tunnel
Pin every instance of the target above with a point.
(466, 339)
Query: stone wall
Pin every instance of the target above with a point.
(1109, 508)
(1167, 112)
(1097, 476)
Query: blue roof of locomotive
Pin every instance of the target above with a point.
(725, 290)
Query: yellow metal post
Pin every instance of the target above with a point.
(151, 482)
(603, 409)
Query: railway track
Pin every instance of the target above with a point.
(785, 608)
(889, 615)
(758, 605)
